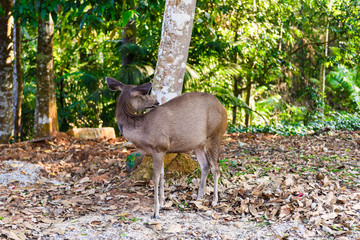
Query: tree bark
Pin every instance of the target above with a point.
(247, 101)
(18, 82)
(129, 36)
(237, 93)
(174, 48)
(46, 122)
(6, 71)
(326, 56)
(237, 79)
(302, 52)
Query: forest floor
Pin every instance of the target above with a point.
(271, 187)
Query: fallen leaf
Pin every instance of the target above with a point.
(158, 227)
(14, 235)
(356, 206)
(84, 180)
(284, 211)
(136, 208)
(329, 216)
(168, 205)
(174, 228)
(200, 206)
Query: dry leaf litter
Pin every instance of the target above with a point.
(272, 187)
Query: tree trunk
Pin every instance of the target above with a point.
(18, 81)
(247, 101)
(237, 93)
(129, 36)
(46, 122)
(237, 79)
(174, 48)
(302, 53)
(234, 112)
(6, 71)
(173, 52)
(326, 56)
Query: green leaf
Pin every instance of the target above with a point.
(43, 14)
(127, 16)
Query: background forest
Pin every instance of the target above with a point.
(280, 66)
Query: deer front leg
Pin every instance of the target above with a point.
(158, 159)
(216, 175)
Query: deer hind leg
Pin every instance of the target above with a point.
(162, 180)
(204, 165)
(213, 151)
(158, 159)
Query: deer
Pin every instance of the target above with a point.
(191, 121)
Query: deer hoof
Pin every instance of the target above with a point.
(154, 217)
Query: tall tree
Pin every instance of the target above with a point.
(173, 50)
(6, 71)
(46, 122)
(18, 81)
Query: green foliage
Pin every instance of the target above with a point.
(334, 121)
(274, 48)
(29, 10)
(2, 12)
(344, 87)
(29, 76)
(88, 47)
(226, 165)
(81, 107)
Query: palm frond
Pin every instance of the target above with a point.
(270, 100)
(135, 73)
(346, 81)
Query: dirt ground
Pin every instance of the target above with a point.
(271, 187)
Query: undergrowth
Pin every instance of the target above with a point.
(333, 121)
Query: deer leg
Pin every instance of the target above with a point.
(214, 155)
(158, 159)
(204, 165)
(162, 195)
(216, 175)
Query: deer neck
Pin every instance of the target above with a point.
(128, 120)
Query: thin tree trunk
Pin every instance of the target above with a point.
(129, 36)
(326, 56)
(18, 82)
(237, 79)
(302, 52)
(174, 48)
(236, 92)
(247, 101)
(46, 122)
(234, 112)
(6, 72)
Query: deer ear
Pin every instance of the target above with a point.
(143, 89)
(114, 84)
